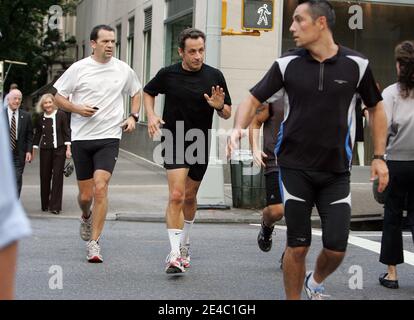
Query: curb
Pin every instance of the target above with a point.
(138, 218)
(369, 223)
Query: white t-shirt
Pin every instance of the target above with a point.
(99, 85)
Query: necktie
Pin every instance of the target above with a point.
(13, 131)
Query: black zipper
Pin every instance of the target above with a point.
(321, 72)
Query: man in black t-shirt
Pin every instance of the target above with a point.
(187, 119)
(269, 115)
(314, 148)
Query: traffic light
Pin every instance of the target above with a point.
(257, 14)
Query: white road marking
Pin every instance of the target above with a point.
(375, 234)
(375, 246)
(370, 245)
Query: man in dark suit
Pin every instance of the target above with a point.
(21, 134)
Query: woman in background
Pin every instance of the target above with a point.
(399, 106)
(52, 137)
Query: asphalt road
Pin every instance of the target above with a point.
(226, 265)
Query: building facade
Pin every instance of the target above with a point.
(147, 31)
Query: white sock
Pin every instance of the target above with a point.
(360, 151)
(174, 235)
(312, 284)
(185, 236)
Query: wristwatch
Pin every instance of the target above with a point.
(135, 116)
(221, 109)
(379, 157)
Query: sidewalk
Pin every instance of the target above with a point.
(138, 192)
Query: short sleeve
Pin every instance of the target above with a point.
(368, 89)
(156, 85)
(271, 83)
(223, 84)
(66, 83)
(132, 85)
(388, 96)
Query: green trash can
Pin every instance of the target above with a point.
(247, 182)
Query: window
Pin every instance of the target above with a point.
(130, 56)
(384, 25)
(179, 17)
(118, 41)
(176, 7)
(146, 70)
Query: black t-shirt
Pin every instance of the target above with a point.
(270, 132)
(319, 127)
(184, 95)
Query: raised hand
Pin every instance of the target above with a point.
(217, 98)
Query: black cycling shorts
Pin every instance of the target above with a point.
(92, 155)
(187, 155)
(272, 188)
(330, 192)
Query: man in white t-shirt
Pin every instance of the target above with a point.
(97, 85)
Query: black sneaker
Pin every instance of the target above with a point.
(264, 239)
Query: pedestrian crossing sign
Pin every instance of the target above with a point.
(257, 15)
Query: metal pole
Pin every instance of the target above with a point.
(211, 193)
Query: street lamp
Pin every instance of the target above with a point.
(3, 77)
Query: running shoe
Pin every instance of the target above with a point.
(94, 252)
(185, 256)
(173, 263)
(264, 239)
(318, 293)
(86, 228)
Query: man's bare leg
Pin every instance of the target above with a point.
(176, 186)
(328, 261)
(100, 206)
(190, 201)
(85, 196)
(8, 260)
(294, 270)
(189, 211)
(272, 214)
(175, 218)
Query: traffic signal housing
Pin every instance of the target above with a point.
(257, 15)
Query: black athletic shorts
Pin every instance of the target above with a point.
(92, 155)
(330, 192)
(272, 188)
(187, 155)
